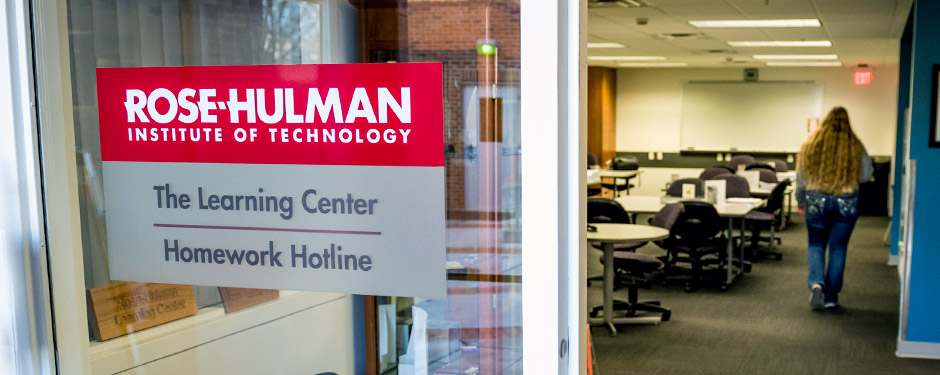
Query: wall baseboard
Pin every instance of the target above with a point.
(915, 349)
(894, 259)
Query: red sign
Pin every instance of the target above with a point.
(346, 114)
(863, 78)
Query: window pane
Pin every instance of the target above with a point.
(477, 328)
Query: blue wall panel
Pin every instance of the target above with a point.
(924, 306)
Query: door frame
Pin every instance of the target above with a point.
(24, 294)
(554, 143)
(553, 73)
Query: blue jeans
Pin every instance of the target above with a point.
(829, 221)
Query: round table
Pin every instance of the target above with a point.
(609, 234)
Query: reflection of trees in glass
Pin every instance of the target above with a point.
(292, 30)
(282, 29)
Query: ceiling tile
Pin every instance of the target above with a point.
(862, 31)
(776, 9)
(699, 9)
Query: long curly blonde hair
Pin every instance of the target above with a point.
(831, 158)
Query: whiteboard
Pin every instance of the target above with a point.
(748, 116)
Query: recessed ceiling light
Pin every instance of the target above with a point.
(626, 58)
(796, 57)
(757, 23)
(605, 45)
(653, 65)
(808, 63)
(782, 43)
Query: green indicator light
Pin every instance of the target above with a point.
(486, 49)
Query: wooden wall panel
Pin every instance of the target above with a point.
(602, 112)
(594, 108)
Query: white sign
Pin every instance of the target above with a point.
(304, 177)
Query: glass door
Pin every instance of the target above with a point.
(477, 328)
(512, 189)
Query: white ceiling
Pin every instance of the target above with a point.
(861, 31)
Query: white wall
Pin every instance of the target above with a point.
(649, 102)
(653, 181)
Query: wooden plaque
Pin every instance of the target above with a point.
(235, 299)
(125, 306)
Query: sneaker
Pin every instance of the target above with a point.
(816, 301)
(832, 305)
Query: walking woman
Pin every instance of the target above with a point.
(830, 166)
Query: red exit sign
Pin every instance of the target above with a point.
(863, 77)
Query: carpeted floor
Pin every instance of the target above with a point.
(764, 324)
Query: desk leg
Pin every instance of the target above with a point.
(743, 265)
(786, 221)
(729, 262)
(609, 287)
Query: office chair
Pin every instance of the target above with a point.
(675, 188)
(623, 163)
(779, 165)
(767, 217)
(740, 160)
(725, 167)
(695, 235)
(765, 176)
(735, 186)
(635, 269)
(606, 210)
(666, 218)
(630, 269)
(592, 162)
(768, 175)
(760, 166)
(711, 172)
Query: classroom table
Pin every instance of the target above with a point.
(760, 193)
(594, 176)
(609, 234)
(736, 208)
(641, 204)
(791, 175)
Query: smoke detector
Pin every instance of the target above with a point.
(673, 36)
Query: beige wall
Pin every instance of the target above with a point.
(649, 102)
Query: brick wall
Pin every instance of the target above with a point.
(448, 31)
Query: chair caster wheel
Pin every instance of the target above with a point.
(666, 316)
(596, 311)
(747, 268)
(724, 288)
(688, 288)
(779, 256)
